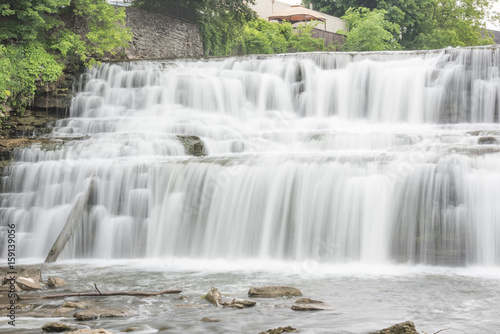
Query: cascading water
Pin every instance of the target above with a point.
(372, 158)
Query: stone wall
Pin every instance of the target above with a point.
(160, 37)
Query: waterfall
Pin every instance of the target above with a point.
(333, 157)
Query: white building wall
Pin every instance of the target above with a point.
(266, 8)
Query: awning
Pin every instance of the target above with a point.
(298, 13)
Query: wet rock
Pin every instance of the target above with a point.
(57, 327)
(90, 331)
(164, 328)
(486, 140)
(214, 297)
(407, 327)
(28, 271)
(130, 329)
(77, 304)
(307, 301)
(274, 291)
(27, 284)
(287, 329)
(237, 303)
(55, 282)
(234, 305)
(193, 145)
(211, 319)
(64, 311)
(311, 307)
(101, 313)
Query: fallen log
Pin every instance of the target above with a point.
(104, 294)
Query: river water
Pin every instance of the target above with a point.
(369, 181)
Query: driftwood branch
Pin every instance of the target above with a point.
(105, 294)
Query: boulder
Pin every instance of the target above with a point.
(214, 297)
(211, 319)
(287, 329)
(55, 282)
(28, 284)
(273, 291)
(407, 327)
(57, 327)
(130, 329)
(101, 313)
(90, 331)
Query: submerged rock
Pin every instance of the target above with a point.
(178, 306)
(63, 311)
(130, 329)
(287, 329)
(307, 304)
(311, 307)
(101, 313)
(78, 304)
(211, 319)
(307, 301)
(407, 327)
(214, 297)
(57, 327)
(90, 331)
(274, 291)
(55, 282)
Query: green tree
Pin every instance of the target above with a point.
(456, 23)
(37, 41)
(425, 23)
(263, 37)
(303, 41)
(370, 31)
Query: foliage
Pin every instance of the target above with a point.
(35, 44)
(369, 30)
(302, 40)
(28, 65)
(262, 37)
(23, 20)
(105, 30)
(425, 23)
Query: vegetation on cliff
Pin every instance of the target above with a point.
(423, 24)
(230, 27)
(40, 38)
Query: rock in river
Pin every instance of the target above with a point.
(214, 297)
(55, 282)
(407, 327)
(101, 313)
(273, 291)
(57, 327)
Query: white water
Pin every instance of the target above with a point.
(333, 158)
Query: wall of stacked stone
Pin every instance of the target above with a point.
(159, 37)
